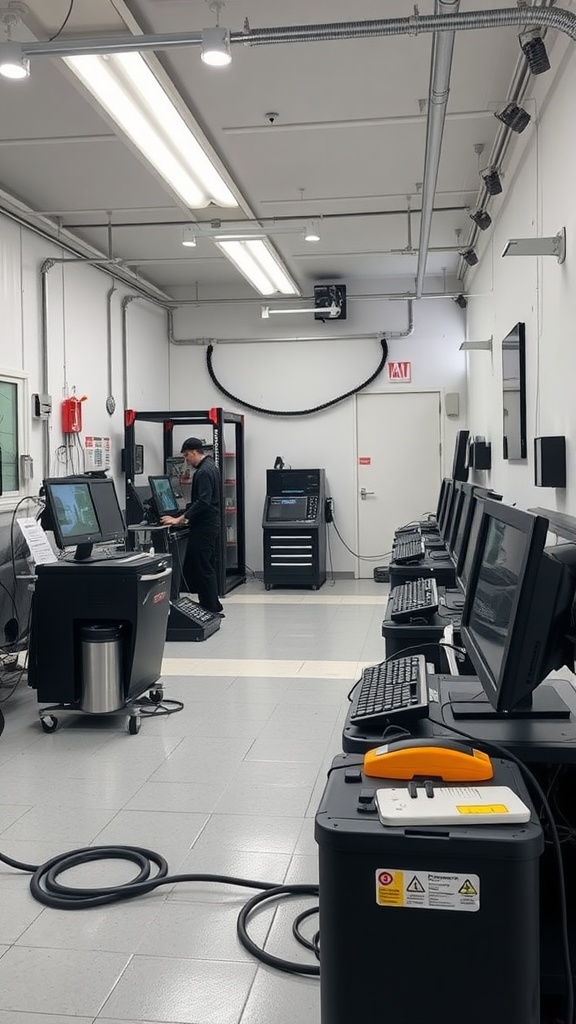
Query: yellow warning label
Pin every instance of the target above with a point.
(482, 808)
(390, 888)
(467, 889)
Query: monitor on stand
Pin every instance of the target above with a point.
(83, 511)
(517, 618)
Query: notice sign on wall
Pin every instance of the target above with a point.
(400, 372)
(365, 460)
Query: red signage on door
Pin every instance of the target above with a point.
(400, 372)
(365, 460)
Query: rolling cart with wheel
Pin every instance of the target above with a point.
(97, 637)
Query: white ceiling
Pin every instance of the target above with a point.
(331, 153)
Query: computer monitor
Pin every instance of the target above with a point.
(442, 496)
(462, 531)
(459, 501)
(446, 507)
(164, 500)
(446, 531)
(460, 461)
(468, 550)
(83, 511)
(516, 622)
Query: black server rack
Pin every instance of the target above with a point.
(294, 527)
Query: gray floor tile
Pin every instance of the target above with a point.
(58, 981)
(11, 1017)
(283, 999)
(180, 990)
(200, 931)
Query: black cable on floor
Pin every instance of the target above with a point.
(152, 708)
(47, 889)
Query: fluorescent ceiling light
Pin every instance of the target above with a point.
(216, 47)
(13, 63)
(331, 312)
(134, 98)
(259, 266)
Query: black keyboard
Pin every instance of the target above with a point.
(417, 597)
(392, 690)
(193, 610)
(406, 551)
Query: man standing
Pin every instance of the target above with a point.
(203, 515)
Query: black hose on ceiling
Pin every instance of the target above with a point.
(296, 412)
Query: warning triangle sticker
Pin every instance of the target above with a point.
(415, 885)
(467, 889)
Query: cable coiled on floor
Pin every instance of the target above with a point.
(47, 889)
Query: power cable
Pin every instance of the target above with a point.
(64, 23)
(365, 558)
(295, 412)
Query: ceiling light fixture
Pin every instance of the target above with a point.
(513, 117)
(312, 231)
(329, 312)
(216, 47)
(13, 63)
(216, 41)
(127, 89)
(469, 256)
(482, 219)
(259, 265)
(492, 181)
(188, 236)
(533, 47)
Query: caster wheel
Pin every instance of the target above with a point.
(314, 587)
(133, 725)
(156, 696)
(49, 723)
(268, 586)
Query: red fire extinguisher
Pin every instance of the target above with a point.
(72, 414)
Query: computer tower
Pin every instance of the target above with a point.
(416, 924)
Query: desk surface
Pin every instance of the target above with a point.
(544, 740)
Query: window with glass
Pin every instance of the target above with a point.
(10, 433)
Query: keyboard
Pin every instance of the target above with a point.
(193, 610)
(406, 551)
(393, 690)
(417, 597)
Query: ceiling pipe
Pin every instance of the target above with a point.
(440, 70)
(415, 24)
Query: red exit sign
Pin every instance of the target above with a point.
(400, 372)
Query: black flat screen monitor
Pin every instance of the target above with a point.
(83, 511)
(517, 614)
(460, 461)
(442, 496)
(287, 510)
(444, 512)
(446, 529)
(164, 500)
(514, 393)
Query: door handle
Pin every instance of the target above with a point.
(364, 493)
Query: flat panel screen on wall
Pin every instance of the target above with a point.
(514, 393)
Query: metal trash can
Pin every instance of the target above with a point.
(101, 668)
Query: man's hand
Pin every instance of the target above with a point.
(172, 520)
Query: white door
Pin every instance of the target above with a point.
(399, 466)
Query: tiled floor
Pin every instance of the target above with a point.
(228, 786)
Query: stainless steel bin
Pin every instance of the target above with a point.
(101, 645)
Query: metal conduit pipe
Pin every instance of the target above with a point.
(44, 271)
(440, 70)
(416, 24)
(503, 140)
(300, 337)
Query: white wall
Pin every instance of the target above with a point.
(538, 200)
(293, 375)
(77, 345)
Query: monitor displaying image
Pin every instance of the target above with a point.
(163, 496)
(74, 511)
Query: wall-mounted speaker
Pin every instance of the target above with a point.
(482, 454)
(550, 461)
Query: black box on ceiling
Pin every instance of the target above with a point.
(550, 461)
(325, 297)
(482, 455)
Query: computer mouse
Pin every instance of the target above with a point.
(450, 760)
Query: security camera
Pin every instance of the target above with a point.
(271, 116)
